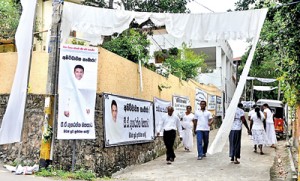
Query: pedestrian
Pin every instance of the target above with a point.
(252, 111)
(169, 123)
(202, 122)
(259, 135)
(236, 134)
(270, 128)
(187, 133)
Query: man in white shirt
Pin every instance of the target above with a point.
(169, 124)
(202, 122)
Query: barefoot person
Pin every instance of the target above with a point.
(270, 128)
(236, 134)
(187, 133)
(259, 136)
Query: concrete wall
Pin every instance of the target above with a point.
(115, 75)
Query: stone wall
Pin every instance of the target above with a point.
(89, 154)
(32, 134)
(92, 155)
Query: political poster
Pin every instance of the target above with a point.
(201, 95)
(77, 92)
(127, 120)
(211, 102)
(179, 104)
(219, 107)
(160, 109)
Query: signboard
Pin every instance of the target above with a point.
(219, 107)
(160, 109)
(179, 104)
(211, 105)
(77, 92)
(200, 96)
(127, 120)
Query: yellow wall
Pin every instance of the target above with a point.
(38, 72)
(115, 75)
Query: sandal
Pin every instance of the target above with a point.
(236, 162)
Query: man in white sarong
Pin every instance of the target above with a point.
(187, 124)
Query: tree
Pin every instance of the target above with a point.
(279, 43)
(10, 15)
(187, 64)
(131, 44)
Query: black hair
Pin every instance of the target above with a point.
(203, 101)
(189, 107)
(254, 106)
(266, 105)
(78, 67)
(114, 103)
(240, 105)
(257, 110)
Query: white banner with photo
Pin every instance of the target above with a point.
(219, 107)
(160, 109)
(77, 92)
(211, 102)
(179, 104)
(201, 95)
(127, 120)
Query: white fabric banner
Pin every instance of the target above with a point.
(219, 107)
(77, 92)
(264, 80)
(201, 95)
(264, 88)
(209, 26)
(179, 105)
(127, 120)
(223, 133)
(160, 109)
(12, 123)
(211, 102)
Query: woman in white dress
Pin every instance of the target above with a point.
(259, 136)
(187, 124)
(270, 128)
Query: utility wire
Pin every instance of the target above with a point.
(203, 6)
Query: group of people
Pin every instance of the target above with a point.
(200, 122)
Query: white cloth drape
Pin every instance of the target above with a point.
(264, 80)
(12, 123)
(97, 22)
(222, 135)
(264, 88)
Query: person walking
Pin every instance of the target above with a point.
(236, 134)
(259, 136)
(187, 133)
(270, 128)
(169, 124)
(202, 122)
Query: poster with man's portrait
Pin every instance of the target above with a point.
(127, 120)
(77, 92)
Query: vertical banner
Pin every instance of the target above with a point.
(160, 109)
(211, 102)
(77, 92)
(219, 107)
(12, 123)
(179, 104)
(200, 96)
(127, 120)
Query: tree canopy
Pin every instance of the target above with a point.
(277, 54)
(10, 15)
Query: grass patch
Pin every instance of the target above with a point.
(80, 174)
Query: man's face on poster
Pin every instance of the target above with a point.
(114, 112)
(78, 72)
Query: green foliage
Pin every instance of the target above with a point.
(131, 44)
(10, 15)
(187, 64)
(278, 52)
(57, 173)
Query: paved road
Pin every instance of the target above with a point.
(186, 167)
(215, 167)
